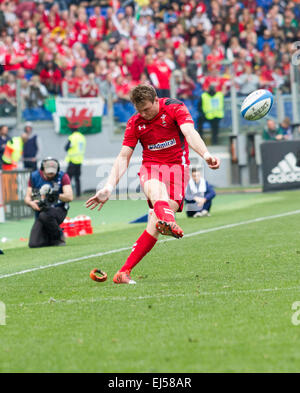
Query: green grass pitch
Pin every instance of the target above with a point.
(219, 301)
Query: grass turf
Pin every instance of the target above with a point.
(216, 302)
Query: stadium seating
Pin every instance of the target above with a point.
(122, 34)
(35, 114)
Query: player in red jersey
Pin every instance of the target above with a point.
(165, 129)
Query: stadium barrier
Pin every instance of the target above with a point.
(14, 186)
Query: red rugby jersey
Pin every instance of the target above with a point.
(161, 137)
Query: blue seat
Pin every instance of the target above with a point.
(28, 75)
(288, 109)
(206, 125)
(104, 11)
(129, 108)
(123, 111)
(90, 11)
(105, 109)
(193, 109)
(118, 110)
(35, 114)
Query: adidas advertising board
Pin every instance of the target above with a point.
(279, 165)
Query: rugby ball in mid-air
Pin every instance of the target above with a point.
(257, 104)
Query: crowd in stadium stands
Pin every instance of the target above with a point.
(97, 46)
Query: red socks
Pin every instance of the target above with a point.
(163, 211)
(143, 245)
(146, 242)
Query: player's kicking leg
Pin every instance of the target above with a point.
(147, 241)
(164, 208)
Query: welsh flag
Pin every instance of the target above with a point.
(84, 114)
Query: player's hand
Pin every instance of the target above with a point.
(98, 199)
(213, 162)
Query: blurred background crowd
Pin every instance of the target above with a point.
(89, 48)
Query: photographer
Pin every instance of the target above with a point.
(48, 194)
(36, 93)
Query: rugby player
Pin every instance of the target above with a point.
(165, 129)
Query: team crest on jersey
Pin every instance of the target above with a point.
(162, 145)
(163, 119)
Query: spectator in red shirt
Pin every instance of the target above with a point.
(82, 27)
(69, 84)
(217, 31)
(214, 59)
(31, 60)
(20, 43)
(51, 77)
(79, 75)
(181, 60)
(97, 32)
(286, 64)
(51, 18)
(135, 66)
(97, 16)
(72, 33)
(121, 88)
(89, 87)
(219, 82)
(267, 70)
(160, 74)
(26, 20)
(12, 60)
(185, 85)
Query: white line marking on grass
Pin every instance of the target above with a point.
(246, 291)
(159, 296)
(98, 299)
(101, 254)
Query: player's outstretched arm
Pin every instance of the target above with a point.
(195, 141)
(119, 168)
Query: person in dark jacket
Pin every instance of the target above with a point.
(32, 149)
(199, 195)
(4, 138)
(49, 193)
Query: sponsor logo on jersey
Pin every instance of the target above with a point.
(286, 171)
(142, 127)
(162, 145)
